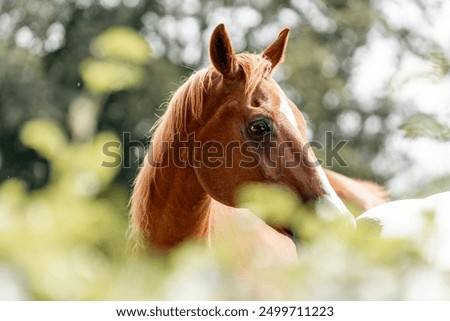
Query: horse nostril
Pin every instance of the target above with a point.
(328, 207)
(309, 197)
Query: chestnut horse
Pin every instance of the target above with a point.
(224, 127)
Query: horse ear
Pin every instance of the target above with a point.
(275, 52)
(221, 52)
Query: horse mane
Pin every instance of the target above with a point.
(186, 103)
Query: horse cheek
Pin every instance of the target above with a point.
(215, 183)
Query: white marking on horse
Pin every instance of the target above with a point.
(287, 111)
(330, 193)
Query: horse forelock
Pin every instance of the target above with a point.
(255, 68)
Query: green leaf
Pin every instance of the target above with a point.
(104, 76)
(45, 136)
(426, 126)
(121, 43)
(259, 198)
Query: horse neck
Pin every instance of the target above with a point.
(169, 205)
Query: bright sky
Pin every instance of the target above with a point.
(414, 88)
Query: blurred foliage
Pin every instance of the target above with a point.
(63, 235)
(434, 186)
(77, 250)
(77, 74)
(441, 63)
(120, 53)
(426, 126)
(121, 43)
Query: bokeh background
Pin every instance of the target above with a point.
(77, 74)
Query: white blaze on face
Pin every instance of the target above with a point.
(330, 193)
(287, 111)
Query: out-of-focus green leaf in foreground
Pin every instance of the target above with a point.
(121, 43)
(68, 241)
(64, 237)
(120, 54)
(103, 76)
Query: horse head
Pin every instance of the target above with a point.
(250, 122)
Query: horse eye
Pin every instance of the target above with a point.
(259, 128)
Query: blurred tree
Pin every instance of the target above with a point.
(42, 46)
